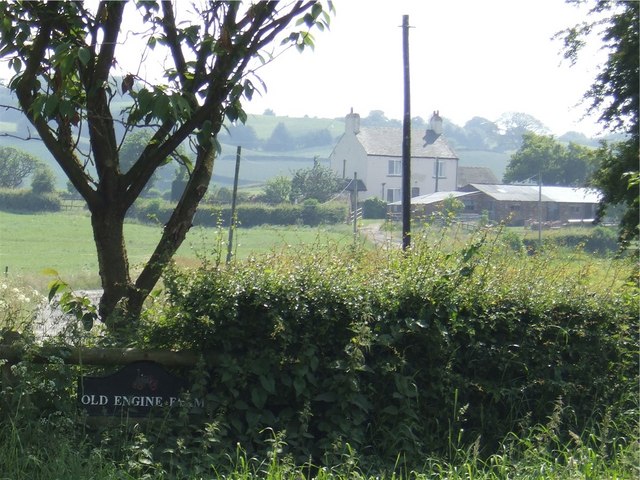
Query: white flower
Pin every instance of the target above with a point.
(3, 286)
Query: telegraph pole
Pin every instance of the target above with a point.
(406, 140)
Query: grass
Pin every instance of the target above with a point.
(63, 242)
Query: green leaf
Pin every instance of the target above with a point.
(84, 55)
(51, 106)
(54, 287)
(268, 383)
(258, 397)
(87, 320)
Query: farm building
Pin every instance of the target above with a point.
(513, 204)
(523, 204)
(374, 154)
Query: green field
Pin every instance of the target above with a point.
(63, 241)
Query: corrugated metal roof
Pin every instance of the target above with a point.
(435, 197)
(387, 141)
(531, 193)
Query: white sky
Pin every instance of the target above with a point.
(467, 58)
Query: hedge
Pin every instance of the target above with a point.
(13, 200)
(248, 215)
(406, 354)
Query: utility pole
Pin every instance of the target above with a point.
(406, 140)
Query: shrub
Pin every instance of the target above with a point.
(374, 208)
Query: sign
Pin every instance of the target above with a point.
(135, 391)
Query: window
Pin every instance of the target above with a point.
(393, 195)
(415, 192)
(395, 168)
(438, 169)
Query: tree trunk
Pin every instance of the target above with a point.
(108, 234)
(175, 230)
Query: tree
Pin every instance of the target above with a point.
(66, 57)
(317, 182)
(556, 163)
(15, 166)
(481, 134)
(43, 181)
(514, 125)
(277, 190)
(613, 96)
(280, 139)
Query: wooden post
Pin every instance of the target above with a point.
(233, 205)
(355, 204)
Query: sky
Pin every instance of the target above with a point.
(467, 58)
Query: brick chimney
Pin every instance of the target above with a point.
(352, 123)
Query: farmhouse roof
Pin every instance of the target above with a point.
(531, 193)
(387, 142)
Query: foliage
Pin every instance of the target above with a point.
(614, 97)
(67, 82)
(556, 164)
(374, 208)
(43, 181)
(248, 214)
(414, 353)
(280, 139)
(435, 363)
(278, 190)
(318, 182)
(13, 200)
(15, 166)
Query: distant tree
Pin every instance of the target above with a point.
(280, 139)
(315, 138)
(481, 134)
(68, 78)
(558, 164)
(514, 125)
(43, 180)
(454, 134)
(131, 149)
(614, 97)
(269, 112)
(15, 166)
(242, 135)
(318, 182)
(278, 190)
(71, 191)
(578, 138)
(418, 123)
(377, 118)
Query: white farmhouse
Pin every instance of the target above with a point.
(374, 155)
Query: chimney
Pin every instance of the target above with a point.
(352, 123)
(435, 129)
